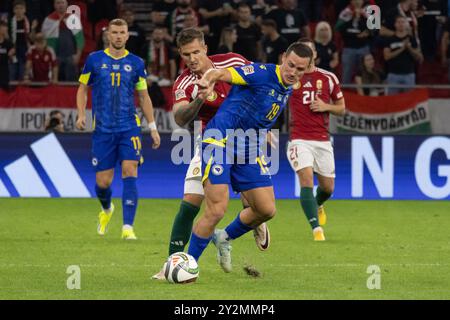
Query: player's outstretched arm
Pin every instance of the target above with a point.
(81, 106)
(206, 83)
(147, 107)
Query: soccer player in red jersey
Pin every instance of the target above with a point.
(189, 105)
(310, 149)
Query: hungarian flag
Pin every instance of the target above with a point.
(402, 113)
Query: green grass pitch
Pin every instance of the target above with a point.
(408, 240)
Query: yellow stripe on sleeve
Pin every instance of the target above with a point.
(141, 84)
(236, 78)
(207, 169)
(84, 78)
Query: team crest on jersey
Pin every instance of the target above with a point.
(272, 93)
(248, 70)
(179, 94)
(212, 96)
(263, 67)
(116, 67)
(319, 84)
(127, 68)
(297, 85)
(104, 66)
(217, 170)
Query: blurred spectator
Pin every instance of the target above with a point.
(259, 8)
(227, 40)
(162, 11)
(67, 43)
(404, 9)
(160, 57)
(41, 63)
(102, 9)
(6, 53)
(216, 13)
(55, 121)
(401, 53)
(274, 45)
(311, 8)
(429, 24)
(352, 26)
(20, 29)
(137, 34)
(445, 48)
(327, 55)
(248, 42)
(176, 19)
(368, 74)
(103, 41)
(37, 10)
(291, 21)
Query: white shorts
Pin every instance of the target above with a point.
(193, 180)
(316, 154)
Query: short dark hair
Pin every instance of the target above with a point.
(300, 49)
(188, 35)
(19, 3)
(306, 40)
(269, 23)
(244, 5)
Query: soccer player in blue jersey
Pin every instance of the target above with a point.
(114, 74)
(258, 96)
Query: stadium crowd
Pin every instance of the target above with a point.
(36, 46)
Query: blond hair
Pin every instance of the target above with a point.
(319, 26)
(117, 22)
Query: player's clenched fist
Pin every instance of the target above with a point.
(156, 139)
(81, 122)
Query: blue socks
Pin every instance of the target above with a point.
(237, 228)
(129, 200)
(197, 245)
(104, 195)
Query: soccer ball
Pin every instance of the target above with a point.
(181, 268)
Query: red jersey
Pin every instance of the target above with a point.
(184, 85)
(42, 62)
(306, 124)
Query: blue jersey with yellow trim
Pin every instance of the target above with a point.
(257, 98)
(113, 82)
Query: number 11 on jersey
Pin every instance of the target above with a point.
(115, 76)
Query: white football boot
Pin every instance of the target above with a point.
(223, 245)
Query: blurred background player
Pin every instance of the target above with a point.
(258, 97)
(310, 150)
(188, 106)
(114, 74)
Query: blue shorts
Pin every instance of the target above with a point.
(242, 177)
(110, 148)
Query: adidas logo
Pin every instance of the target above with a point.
(308, 85)
(27, 180)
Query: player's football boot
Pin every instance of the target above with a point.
(160, 275)
(103, 220)
(223, 245)
(262, 236)
(318, 234)
(128, 234)
(322, 215)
